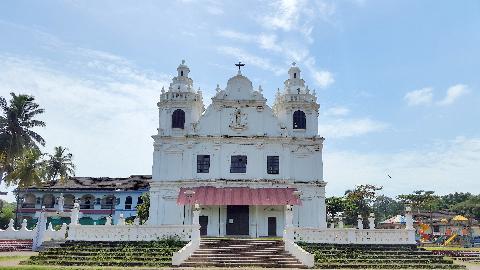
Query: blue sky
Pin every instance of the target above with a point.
(397, 81)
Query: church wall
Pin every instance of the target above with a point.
(177, 159)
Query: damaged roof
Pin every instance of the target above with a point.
(134, 182)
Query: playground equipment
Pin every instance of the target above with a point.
(450, 239)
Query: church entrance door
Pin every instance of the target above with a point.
(272, 226)
(203, 220)
(237, 220)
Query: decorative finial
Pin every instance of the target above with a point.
(163, 89)
(260, 89)
(183, 62)
(293, 63)
(307, 90)
(314, 93)
(218, 88)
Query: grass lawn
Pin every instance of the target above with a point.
(477, 249)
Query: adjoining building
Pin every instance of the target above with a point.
(98, 197)
(240, 160)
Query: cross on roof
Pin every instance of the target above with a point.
(239, 65)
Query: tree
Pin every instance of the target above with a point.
(16, 123)
(28, 170)
(59, 164)
(385, 207)
(143, 208)
(420, 200)
(469, 207)
(360, 201)
(6, 213)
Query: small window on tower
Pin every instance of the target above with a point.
(273, 164)
(203, 163)
(181, 73)
(299, 120)
(294, 75)
(178, 119)
(238, 164)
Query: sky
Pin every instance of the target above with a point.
(397, 81)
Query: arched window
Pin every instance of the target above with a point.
(178, 119)
(139, 200)
(128, 202)
(294, 75)
(299, 120)
(181, 73)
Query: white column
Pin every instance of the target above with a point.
(408, 218)
(371, 221)
(288, 232)
(360, 222)
(40, 230)
(196, 221)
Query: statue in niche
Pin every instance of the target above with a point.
(238, 120)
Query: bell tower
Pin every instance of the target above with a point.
(181, 106)
(296, 107)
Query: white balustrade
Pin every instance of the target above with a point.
(130, 232)
(353, 236)
(20, 234)
(183, 254)
(300, 254)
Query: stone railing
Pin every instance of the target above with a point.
(183, 254)
(353, 236)
(121, 232)
(51, 234)
(300, 254)
(21, 234)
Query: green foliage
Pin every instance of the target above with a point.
(28, 169)
(421, 200)
(385, 207)
(361, 198)
(7, 212)
(143, 209)
(470, 207)
(17, 122)
(60, 164)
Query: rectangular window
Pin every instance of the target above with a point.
(238, 164)
(273, 164)
(203, 163)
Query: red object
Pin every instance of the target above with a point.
(239, 196)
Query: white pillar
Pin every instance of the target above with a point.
(340, 222)
(408, 218)
(287, 232)
(74, 215)
(371, 221)
(196, 222)
(360, 222)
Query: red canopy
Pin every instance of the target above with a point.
(238, 196)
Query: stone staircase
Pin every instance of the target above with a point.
(242, 253)
(15, 245)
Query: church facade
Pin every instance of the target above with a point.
(240, 161)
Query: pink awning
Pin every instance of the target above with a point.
(238, 196)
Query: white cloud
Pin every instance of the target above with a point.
(343, 128)
(422, 96)
(323, 78)
(444, 167)
(285, 14)
(337, 111)
(96, 109)
(453, 93)
(257, 61)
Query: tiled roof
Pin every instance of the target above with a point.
(134, 182)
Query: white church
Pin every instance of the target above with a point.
(239, 161)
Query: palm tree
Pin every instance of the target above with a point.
(28, 169)
(60, 164)
(16, 124)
